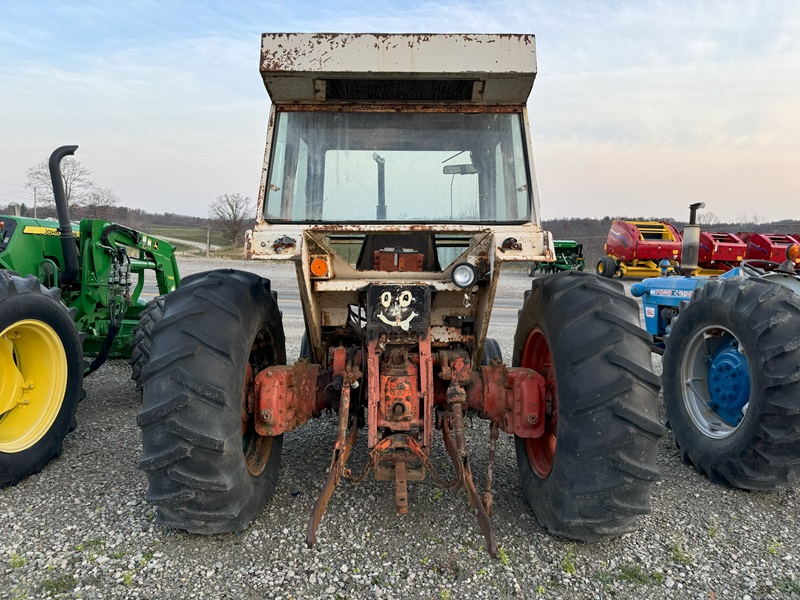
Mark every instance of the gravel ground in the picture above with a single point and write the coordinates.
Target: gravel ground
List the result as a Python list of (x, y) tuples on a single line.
[(81, 528)]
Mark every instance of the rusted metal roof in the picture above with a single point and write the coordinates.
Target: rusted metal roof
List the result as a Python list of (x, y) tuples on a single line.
[(336, 68)]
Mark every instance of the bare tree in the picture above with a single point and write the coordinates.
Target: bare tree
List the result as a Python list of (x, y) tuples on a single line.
[(752, 222), (98, 202), (233, 214), (76, 182), (708, 218)]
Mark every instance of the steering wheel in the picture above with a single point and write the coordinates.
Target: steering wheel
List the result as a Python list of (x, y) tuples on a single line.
[(751, 269)]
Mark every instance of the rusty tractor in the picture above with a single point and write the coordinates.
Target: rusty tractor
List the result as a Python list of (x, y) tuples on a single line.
[(398, 179)]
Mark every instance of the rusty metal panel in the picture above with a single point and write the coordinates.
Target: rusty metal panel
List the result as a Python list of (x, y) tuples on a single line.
[(297, 66)]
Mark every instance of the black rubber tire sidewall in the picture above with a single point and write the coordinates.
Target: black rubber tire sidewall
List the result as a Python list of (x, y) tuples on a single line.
[(763, 451), (608, 428), (491, 350), (25, 298), (192, 450), (142, 338)]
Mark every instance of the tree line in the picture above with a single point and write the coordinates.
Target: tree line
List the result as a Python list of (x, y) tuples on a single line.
[(230, 214)]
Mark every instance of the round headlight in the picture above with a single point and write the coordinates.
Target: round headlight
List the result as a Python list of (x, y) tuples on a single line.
[(464, 275)]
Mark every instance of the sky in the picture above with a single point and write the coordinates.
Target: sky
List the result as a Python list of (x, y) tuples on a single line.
[(639, 108)]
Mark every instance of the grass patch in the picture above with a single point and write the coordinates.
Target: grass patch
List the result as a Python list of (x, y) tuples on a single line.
[(679, 555), (713, 529), (634, 574), (59, 585), (17, 561), (568, 563), (790, 585)]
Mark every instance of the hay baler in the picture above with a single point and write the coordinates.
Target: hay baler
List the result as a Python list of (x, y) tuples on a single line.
[(636, 248)]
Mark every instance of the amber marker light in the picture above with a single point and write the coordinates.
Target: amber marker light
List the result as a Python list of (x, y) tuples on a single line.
[(319, 267), (793, 252)]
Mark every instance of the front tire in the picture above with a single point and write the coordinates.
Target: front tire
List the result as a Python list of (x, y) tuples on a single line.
[(732, 383), (209, 472), (588, 477), (41, 376)]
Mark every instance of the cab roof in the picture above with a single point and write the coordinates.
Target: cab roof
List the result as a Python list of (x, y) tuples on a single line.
[(323, 68)]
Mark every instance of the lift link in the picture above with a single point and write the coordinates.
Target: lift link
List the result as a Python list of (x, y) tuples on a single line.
[(457, 398), (341, 452)]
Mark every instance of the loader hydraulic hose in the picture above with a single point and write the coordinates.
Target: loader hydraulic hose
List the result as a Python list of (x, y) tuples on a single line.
[(68, 246)]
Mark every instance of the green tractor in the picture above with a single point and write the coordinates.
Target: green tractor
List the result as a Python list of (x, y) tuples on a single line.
[(569, 257), (68, 292)]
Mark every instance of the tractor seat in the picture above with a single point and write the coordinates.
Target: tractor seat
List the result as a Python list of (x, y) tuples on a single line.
[(422, 243)]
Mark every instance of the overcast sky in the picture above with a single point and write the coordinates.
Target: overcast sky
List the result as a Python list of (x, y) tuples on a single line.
[(639, 108)]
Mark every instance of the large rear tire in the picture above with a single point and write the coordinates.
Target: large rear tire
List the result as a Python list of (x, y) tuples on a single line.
[(41, 376), (209, 472), (143, 338), (588, 477), (732, 383)]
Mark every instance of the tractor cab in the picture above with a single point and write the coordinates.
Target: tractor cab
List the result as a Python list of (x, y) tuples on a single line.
[(387, 160)]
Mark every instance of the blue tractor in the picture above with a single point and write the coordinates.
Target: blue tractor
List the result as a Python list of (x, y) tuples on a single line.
[(731, 365)]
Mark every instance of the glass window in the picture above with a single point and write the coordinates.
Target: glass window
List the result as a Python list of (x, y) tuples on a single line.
[(393, 166)]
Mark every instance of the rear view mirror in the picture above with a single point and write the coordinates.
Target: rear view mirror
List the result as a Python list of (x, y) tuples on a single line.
[(460, 169)]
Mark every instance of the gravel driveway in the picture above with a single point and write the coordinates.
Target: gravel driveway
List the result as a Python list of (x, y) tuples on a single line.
[(81, 528)]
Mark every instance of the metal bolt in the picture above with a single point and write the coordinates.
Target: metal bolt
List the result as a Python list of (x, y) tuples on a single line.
[(269, 373), (533, 419), (266, 416)]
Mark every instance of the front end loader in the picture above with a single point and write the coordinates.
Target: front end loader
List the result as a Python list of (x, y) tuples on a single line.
[(398, 179), (70, 297)]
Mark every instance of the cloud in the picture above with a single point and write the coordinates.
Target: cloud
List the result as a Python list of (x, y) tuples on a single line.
[(168, 106)]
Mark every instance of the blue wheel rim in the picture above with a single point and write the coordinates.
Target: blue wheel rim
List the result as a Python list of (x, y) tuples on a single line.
[(715, 381)]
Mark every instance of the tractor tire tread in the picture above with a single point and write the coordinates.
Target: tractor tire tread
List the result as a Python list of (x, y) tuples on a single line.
[(608, 427), (143, 338), (191, 422), (764, 451)]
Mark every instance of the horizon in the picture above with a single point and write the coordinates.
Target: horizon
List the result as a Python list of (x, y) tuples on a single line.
[(638, 108)]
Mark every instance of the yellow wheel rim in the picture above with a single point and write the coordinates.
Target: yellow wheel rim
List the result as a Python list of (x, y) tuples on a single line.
[(33, 381)]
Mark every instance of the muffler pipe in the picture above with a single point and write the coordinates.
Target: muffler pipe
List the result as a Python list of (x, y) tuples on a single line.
[(690, 247), (68, 247)]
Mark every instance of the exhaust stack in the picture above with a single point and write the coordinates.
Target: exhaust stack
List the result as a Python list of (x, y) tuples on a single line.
[(690, 249), (68, 247)]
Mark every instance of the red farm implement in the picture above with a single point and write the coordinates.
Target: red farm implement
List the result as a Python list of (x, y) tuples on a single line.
[(635, 248), (719, 252), (769, 247)]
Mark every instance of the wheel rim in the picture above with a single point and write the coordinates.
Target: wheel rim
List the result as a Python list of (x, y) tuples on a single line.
[(715, 382), (541, 451), (601, 268), (33, 381), (256, 448)]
